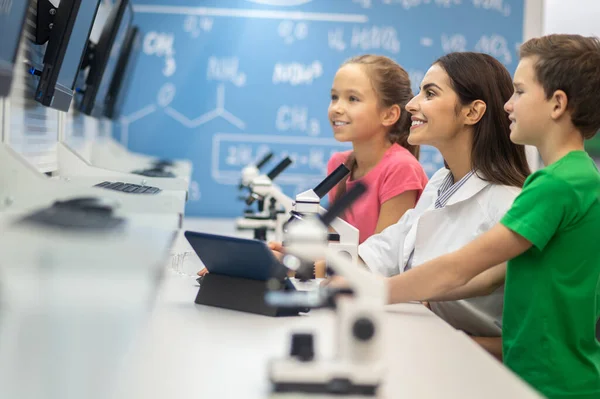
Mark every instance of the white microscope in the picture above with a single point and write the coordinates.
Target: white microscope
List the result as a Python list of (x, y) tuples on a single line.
[(252, 171), (269, 197), (345, 239), (358, 366)]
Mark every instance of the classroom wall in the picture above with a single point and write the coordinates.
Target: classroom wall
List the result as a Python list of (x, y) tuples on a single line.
[(220, 82), (574, 16)]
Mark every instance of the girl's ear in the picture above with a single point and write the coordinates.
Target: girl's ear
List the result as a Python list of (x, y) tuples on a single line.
[(391, 115)]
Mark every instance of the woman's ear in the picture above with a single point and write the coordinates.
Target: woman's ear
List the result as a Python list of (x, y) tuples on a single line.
[(391, 115), (475, 112)]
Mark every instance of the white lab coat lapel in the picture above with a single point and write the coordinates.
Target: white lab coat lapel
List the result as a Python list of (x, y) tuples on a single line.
[(431, 224), (471, 187)]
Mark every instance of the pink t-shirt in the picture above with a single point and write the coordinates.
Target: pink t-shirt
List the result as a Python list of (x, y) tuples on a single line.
[(397, 172)]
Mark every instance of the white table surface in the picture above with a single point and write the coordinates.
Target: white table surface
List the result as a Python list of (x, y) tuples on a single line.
[(195, 351)]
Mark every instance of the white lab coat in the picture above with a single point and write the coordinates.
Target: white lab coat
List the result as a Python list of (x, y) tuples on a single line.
[(473, 209)]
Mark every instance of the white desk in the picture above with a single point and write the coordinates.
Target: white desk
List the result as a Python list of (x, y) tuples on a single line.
[(195, 351)]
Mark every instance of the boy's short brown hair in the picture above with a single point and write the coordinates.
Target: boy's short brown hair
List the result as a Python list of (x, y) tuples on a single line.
[(570, 63)]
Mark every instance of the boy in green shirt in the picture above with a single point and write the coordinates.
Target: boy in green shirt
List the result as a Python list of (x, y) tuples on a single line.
[(551, 235)]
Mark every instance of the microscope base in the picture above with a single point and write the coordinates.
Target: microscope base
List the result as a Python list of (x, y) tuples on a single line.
[(251, 224), (325, 377)]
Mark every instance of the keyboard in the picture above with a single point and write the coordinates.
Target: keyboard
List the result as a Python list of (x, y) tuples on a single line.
[(129, 188), (154, 173), (161, 163), (75, 219)]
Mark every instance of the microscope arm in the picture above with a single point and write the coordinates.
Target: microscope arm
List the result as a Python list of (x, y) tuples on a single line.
[(365, 284), (286, 202), (348, 233)]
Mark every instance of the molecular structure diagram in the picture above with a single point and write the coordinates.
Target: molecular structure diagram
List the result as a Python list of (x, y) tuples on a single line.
[(165, 97)]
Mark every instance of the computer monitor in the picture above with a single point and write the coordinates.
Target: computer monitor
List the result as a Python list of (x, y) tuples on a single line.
[(123, 74), (12, 18), (105, 59), (64, 53)]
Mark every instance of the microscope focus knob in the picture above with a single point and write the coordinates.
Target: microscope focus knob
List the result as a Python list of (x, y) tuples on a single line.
[(302, 347), (363, 329)]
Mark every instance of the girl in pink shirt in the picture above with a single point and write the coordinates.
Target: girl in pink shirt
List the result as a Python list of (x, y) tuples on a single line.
[(368, 99)]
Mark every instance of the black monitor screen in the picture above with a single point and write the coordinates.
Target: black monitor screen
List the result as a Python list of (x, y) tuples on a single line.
[(12, 16), (123, 74), (105, 58), (64, 53)]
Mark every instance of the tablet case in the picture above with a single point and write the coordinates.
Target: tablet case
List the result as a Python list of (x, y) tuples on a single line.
[(238, 273)]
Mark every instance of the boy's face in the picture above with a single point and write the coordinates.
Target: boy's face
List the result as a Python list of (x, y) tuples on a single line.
[(528, 109)]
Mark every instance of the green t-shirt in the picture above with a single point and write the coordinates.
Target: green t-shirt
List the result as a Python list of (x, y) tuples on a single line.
[(552, 291)]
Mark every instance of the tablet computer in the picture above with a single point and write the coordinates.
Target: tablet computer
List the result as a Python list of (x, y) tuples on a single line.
[(236, 257)]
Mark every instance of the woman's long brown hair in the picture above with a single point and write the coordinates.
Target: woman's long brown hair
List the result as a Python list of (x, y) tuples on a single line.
[(477, 76)]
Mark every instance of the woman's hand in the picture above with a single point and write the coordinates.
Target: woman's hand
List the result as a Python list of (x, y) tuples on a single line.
[(203, 272)]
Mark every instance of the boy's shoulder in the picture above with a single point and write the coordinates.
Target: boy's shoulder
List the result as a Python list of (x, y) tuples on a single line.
[(575, 171)]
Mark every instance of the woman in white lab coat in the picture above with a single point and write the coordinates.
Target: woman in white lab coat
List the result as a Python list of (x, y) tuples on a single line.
[(459, 110)]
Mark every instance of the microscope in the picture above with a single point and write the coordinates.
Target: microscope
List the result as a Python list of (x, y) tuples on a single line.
[(270, 201), (252, 171), (345, 239), (357, 367)]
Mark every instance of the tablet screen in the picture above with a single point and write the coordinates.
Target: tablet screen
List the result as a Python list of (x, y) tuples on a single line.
[(236, 257)]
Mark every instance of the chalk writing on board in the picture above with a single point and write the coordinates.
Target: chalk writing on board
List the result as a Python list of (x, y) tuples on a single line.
[(161, 45), (335, 38), (291, 31), (225, 69), (493, 5), (315, 159), (296, 118), (451, 43), (195, 25), (239, 155), (230, 152), (310, 40), (194, 192), (296, 73), (496, 46), (364, 3), (218, 112), (166, 94), (410, 4), (288, 3), (416, 77), (375, 38), (426, 41)]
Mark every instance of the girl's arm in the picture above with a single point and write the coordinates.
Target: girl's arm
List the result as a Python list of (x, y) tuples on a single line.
[(439, 277), (392, 210)]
